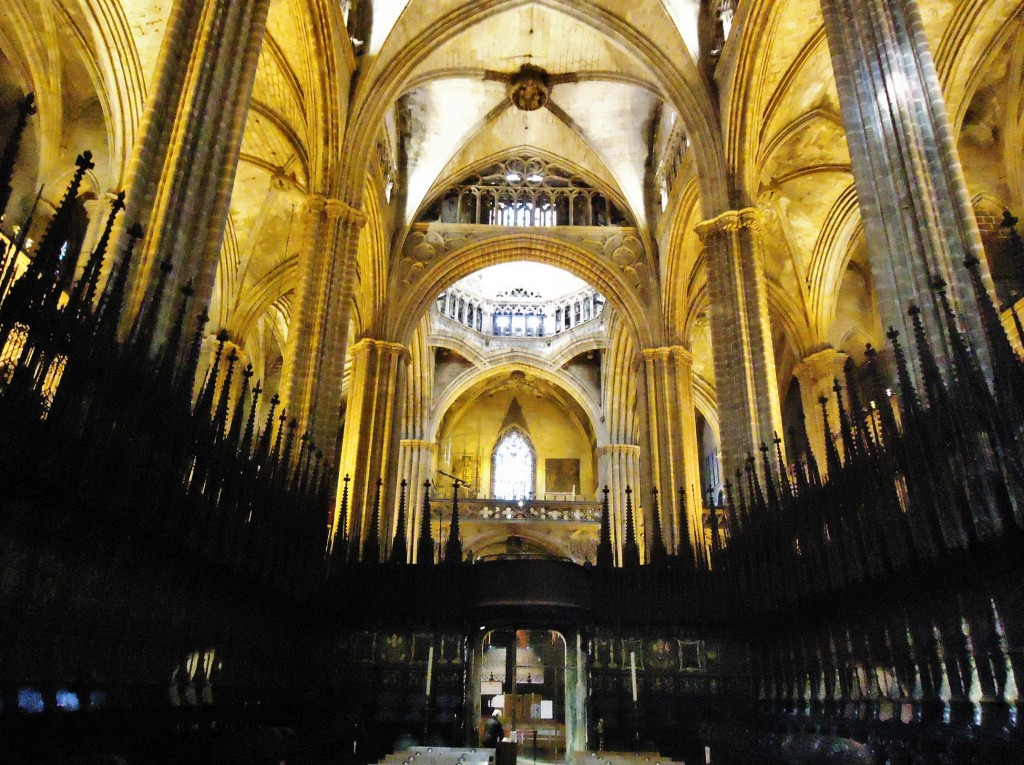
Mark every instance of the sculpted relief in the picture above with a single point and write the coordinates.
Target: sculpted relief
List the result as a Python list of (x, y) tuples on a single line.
[(619, 247)]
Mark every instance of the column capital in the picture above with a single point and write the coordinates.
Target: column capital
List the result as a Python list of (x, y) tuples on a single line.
[(338, 209), (824, 364), (368, 344), (618, 449), (334, 209), (666, 352), (313, 204), (731, 220), (100, 204), (418, 443)]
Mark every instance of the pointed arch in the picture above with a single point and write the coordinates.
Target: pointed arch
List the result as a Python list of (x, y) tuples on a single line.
[(631, 299), (682, 83), (513, 464)]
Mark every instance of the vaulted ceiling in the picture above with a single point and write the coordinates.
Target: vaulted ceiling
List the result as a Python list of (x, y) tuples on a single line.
[(599, 115), (429, 80)]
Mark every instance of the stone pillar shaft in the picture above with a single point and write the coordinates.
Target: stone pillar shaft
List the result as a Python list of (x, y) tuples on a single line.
[(672, 453), (817, 374), (337, 315), (914, 202), (372, 427), (312, 377), (416, 465), (619, 467), (184, 170), (745, 380)]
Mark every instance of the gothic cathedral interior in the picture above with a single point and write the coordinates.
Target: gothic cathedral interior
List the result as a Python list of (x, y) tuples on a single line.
[(451, 381)]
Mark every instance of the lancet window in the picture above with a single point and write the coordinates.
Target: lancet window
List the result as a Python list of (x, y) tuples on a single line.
[(525, 191), (513, 466)]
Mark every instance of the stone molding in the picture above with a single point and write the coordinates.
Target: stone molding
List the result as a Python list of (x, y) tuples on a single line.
[(417, 443), (618, 449), (334, 209), (664, 353), (339, 210), (619, 246), (368, 344), (731, 220), (819, 365)]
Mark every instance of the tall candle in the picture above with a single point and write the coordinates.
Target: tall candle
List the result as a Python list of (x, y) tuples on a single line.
[(632, 672), (430, 668)]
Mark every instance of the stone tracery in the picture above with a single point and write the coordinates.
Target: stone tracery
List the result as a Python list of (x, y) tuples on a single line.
[(343, 293)]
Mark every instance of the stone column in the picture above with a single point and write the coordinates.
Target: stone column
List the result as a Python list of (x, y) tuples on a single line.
[(183, 169), (618, 466), (913, 199), (672, 453), (745, 381), (817, 374), (416, 465), (328, 224), (372, 429), (331, 350)]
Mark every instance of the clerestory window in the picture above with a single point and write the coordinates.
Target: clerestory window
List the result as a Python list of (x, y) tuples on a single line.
[(524, 191)]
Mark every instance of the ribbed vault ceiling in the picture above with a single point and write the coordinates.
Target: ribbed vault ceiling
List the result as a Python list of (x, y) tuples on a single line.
[(599, 115)]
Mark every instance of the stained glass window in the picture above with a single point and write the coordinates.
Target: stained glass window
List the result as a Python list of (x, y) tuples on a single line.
[(513, 467)]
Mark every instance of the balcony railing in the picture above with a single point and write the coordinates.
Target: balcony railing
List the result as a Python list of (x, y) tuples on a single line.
[(559, 511)]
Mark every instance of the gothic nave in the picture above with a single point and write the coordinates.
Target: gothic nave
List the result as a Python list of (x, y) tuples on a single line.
[(651, 373)]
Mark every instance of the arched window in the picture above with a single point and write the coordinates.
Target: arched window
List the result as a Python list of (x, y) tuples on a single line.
[(513, 466)]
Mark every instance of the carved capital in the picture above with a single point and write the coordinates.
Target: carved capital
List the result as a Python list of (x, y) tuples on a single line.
[(418, 444), (824, 365), (368, 345), (339, 210), (675, 352), (729, 221), (618, 449), (313, 205)]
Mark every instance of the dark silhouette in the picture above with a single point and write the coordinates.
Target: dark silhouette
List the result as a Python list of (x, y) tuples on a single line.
[(494, 731)]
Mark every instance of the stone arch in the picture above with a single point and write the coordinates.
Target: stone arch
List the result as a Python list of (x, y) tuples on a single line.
[(258, 298), (697, 307), (472, 354), (454, 175), (754, 25), (999, 251), (704, 402), (576, 347), (102, 28), (687, 90), (533, 536), (589, 408), (328, 98), (788, 316), (499, 442), (978, 27), (681, 260), (830, 258), (622, 285), (373, 257)]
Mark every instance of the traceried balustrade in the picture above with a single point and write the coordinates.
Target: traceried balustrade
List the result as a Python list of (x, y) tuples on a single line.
[(552, 511), (519, 312), (525, 191)]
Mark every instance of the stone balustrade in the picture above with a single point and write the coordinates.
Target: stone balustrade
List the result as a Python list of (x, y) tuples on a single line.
[(560, 511)]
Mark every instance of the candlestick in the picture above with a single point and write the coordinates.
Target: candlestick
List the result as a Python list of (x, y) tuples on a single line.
[(632, 672), (430, 668)]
